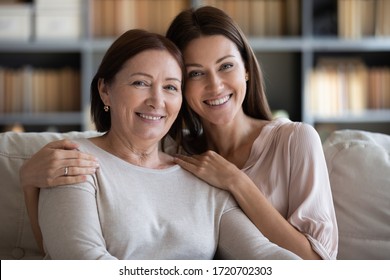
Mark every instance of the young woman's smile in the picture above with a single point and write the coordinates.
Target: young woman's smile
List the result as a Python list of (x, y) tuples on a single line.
[(218, 101)]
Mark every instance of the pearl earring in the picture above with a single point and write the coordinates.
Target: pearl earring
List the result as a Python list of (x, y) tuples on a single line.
[(246, 77), (106, 108)]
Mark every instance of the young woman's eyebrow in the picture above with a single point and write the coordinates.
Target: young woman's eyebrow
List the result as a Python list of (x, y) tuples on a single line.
[(224, 57), (218, 61)]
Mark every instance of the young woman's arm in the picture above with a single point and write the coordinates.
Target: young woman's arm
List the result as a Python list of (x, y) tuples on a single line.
[(310, 228), (240, 239), (46, 168), (57, 163), (214, 169)]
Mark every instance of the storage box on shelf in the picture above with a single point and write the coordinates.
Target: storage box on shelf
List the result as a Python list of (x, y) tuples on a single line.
[(15, 22), (58, 20)]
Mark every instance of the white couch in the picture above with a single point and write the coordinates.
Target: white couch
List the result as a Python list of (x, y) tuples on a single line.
[(359, 168)]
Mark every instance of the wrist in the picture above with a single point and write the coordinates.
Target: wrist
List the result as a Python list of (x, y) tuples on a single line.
[(238, 183)]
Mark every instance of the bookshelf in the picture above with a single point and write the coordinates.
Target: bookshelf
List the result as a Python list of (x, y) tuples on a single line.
[(288, 54)]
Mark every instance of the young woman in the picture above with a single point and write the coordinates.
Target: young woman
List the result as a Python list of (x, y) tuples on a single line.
[(275, 169)]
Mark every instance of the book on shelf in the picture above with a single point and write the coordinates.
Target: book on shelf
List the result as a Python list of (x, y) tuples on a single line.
[(363, 18), (113, 17), (123, 21), (263, 17), (339, 86), (382, 23), (30, 90)]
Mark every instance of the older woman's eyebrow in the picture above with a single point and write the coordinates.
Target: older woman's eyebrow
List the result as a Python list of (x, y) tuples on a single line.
[(173, 79), (140, 74), (151, 77)]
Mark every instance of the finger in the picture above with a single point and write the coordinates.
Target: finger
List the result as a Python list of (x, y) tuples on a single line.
[(74, 155), (189, 166), (188, 159), (76, 162), (75, 171), (63, 144), (68, 180), (67, 149)]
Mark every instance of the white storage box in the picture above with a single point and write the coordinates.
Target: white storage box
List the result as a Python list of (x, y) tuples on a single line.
[(15, 22), (58, 4), (58, 24)]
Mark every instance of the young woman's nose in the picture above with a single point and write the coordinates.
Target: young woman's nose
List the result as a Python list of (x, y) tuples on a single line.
[(214, 82)]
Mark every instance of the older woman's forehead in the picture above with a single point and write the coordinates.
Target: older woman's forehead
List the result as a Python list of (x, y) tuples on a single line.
[(152, 61)]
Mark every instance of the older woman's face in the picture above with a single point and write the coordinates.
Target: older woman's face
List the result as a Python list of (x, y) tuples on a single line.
[(145, 96)]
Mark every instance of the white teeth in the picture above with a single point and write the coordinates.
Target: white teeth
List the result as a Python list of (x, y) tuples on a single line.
[(153, 118), (219, 101)]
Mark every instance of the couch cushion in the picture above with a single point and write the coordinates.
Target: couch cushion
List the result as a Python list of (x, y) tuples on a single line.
[(16, 237), (359, 169)]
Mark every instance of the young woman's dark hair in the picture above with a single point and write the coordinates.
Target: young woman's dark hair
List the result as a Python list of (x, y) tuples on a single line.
[(128, 45), (205, 21)]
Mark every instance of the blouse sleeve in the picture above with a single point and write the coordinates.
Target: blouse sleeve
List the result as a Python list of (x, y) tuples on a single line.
[(69, 221), (239, 239), (310, 199)]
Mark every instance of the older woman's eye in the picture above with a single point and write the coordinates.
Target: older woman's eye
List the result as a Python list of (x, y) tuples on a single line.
[(171, 88), (139, 84)]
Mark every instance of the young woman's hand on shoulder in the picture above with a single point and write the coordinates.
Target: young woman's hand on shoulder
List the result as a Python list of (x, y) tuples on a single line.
[(57, 163), (212, 168)]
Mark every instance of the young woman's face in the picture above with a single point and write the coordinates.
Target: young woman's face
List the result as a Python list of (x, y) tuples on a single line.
[(145, 96), (216, 85)]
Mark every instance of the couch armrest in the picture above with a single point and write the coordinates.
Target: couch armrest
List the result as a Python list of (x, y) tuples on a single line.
[(359, 170), (16, 237)]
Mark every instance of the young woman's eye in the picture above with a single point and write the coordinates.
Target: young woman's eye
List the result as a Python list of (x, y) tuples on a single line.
[(194, 74), (226, 66)]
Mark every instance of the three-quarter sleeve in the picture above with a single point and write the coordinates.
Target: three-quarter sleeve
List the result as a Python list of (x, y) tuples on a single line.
[(69, 220), (311, 208), (240, 239)]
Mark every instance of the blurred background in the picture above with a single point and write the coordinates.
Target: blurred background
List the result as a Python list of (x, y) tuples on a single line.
[(325, 62)]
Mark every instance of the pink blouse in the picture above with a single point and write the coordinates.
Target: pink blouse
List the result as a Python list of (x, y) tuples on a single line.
[(287, 164)]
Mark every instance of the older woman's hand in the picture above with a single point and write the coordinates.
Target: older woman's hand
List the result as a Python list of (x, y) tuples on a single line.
[(57, 163)]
